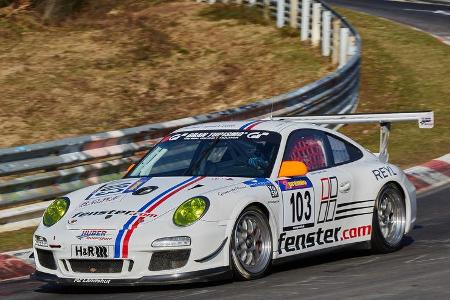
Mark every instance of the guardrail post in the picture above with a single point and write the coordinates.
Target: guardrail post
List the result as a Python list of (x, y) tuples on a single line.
[(344, 46), (315, 35), (336, 32), (293, 7), (326, 33), (266, 9), (306, 8), (351, 45), (280, 13)]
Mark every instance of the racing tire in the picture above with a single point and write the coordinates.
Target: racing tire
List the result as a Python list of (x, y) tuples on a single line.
[(251, 245), (389, 220)]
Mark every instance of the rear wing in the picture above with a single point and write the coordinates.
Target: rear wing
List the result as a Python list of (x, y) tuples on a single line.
[(424, 120)]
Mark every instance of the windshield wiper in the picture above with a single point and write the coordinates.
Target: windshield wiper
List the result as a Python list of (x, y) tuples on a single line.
[(205, 152)]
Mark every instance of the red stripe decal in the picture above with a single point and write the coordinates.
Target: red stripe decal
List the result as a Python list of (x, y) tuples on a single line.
[(150, 209), (253, 125)]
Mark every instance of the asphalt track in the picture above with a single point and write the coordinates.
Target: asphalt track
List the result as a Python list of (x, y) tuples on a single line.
[(421, 270), (430, 17)]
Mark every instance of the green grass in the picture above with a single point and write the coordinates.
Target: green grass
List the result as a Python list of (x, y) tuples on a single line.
[(16, 240), (403, 70)]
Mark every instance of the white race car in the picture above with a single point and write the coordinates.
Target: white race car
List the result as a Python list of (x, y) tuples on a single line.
[(230, 198)]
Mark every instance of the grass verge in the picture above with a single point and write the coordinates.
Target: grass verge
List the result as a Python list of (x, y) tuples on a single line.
[(402, 70), (136, 62), (17, 239)]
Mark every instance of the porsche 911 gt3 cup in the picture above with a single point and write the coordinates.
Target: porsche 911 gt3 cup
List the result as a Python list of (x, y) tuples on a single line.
[(220, 199)]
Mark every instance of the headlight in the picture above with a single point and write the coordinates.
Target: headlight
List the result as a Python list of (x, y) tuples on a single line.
[(174, 241), (55, 211), (190, 211)]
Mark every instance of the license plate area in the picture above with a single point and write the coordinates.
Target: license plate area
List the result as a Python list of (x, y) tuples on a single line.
[(91, 251)]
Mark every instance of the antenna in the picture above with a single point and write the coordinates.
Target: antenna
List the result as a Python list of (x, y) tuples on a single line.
[(271, 110)]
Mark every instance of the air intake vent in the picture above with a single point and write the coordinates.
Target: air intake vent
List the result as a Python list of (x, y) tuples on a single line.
[(46, 259), (167, 260), (96, 266)]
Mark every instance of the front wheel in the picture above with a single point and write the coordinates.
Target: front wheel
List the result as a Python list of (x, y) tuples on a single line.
[(251, 244), (389, 220)]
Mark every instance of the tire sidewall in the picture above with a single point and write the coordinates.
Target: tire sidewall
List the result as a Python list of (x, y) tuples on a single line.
[(239, 271), (378, 241)]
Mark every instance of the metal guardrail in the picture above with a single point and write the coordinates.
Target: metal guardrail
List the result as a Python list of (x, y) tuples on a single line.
[(46, 170)]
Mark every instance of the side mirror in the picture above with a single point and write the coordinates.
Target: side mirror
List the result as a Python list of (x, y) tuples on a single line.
[(129, 168), (292, 168)]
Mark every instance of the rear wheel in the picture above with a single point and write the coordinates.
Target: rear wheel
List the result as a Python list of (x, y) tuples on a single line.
[(389, 220), (251, 244)]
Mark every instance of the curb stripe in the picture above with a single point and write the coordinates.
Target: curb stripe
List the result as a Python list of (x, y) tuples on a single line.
[(438, 166)]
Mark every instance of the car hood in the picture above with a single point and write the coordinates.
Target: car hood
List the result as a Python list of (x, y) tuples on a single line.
[(120, 203)]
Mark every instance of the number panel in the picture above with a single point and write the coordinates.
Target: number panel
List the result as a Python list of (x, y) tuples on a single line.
[(298, 203)]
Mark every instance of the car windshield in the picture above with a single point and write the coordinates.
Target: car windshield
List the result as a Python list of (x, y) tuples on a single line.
[(211, 153)]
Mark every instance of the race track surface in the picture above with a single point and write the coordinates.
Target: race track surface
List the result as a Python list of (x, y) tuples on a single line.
[(421, 270), (430, 17)]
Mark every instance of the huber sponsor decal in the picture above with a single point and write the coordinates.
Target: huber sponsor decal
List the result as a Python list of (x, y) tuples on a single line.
[(95, 234), (320, 237)]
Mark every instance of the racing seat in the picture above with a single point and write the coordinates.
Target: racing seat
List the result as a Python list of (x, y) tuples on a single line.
[(309, 151)]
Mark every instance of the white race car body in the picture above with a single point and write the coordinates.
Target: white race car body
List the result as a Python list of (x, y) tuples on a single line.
[(107, 233)]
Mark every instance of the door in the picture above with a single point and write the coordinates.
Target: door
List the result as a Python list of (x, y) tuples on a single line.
[(311, 203)]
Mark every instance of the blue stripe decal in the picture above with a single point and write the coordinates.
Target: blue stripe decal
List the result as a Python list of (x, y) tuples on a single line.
[(247, 124), (131, 220)]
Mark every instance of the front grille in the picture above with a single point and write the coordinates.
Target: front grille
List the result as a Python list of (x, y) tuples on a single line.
[(167, 260), (46, 259), (96, 266)]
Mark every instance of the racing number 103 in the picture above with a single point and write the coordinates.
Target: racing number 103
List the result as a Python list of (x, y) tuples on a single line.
[(301, 206)]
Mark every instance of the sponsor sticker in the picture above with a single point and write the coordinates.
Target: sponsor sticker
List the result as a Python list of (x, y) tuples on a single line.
[(223, 135), (328, 199), (92, 280), (101, 200), (257, 182), (320, 237), (231, 190), (383, 172), (81, 251), (111, 213), (294, 183), (95, 234), (273, 190), (116, 188)]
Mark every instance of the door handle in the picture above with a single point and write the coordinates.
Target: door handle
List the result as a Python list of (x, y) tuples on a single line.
[(344, 187)]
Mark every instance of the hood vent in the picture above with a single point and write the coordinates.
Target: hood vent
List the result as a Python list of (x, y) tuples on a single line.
[(145, 190)]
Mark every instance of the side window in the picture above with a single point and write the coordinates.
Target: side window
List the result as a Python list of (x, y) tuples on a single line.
[(309, 147), (342, 151)]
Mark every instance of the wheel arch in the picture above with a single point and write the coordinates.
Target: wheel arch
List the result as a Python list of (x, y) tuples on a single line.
[(406, 201)]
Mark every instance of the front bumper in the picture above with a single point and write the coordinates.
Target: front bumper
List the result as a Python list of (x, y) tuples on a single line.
[(216, 274)]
